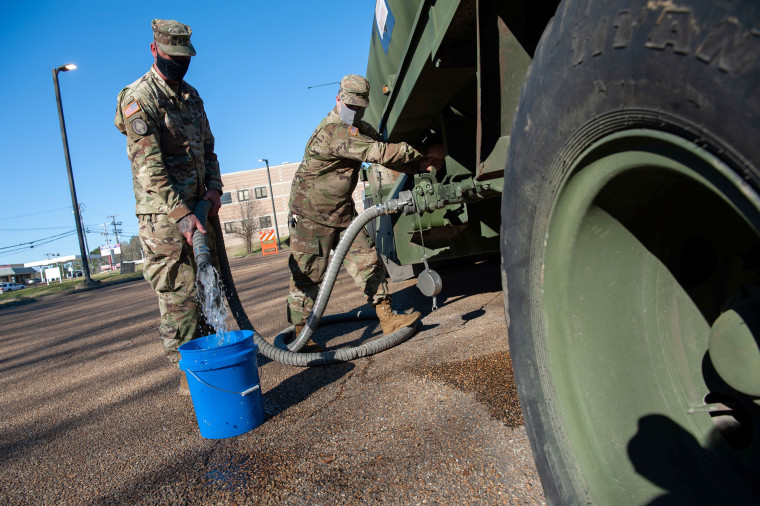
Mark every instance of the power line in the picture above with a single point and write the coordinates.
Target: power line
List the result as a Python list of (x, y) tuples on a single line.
[(32, 244), (15, 248), (36, 240), (32, 214), (30, 228), (318, 85)]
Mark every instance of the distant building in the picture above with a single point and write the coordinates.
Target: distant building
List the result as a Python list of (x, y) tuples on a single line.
[(17, 273), (61, 262), (253, 185)]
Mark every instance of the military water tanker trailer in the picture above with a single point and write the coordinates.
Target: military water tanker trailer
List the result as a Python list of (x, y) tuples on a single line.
[(611, 151)]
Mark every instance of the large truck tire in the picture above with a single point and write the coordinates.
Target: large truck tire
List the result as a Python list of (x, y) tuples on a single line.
[(631, 252)]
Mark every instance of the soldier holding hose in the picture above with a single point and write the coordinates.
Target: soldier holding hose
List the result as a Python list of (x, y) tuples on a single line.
[(321, 206), (170, 145)]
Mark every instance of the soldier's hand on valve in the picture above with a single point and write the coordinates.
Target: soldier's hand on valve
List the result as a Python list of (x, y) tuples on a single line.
[(435, 151), (427, 164), (434, 158)]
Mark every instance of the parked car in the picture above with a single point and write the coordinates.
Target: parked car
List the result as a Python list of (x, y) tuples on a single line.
[(9, 287)]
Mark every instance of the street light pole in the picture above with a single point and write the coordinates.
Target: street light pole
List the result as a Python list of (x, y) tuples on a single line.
[(86, 244), (271, 195), (75, 204)]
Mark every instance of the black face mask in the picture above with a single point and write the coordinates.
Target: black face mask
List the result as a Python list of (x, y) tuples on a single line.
[(173, 70)]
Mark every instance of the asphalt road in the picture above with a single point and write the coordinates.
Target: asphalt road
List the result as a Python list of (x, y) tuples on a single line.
[(89, 411)]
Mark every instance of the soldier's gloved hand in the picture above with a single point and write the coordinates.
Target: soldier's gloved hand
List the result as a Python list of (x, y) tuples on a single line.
[(214, 196), (188, 225)]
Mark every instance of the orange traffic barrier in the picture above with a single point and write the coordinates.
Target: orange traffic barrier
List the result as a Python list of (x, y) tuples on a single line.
[(268, 242)]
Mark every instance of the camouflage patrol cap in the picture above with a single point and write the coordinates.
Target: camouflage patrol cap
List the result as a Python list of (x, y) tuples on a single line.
[(354, 90), (172, 37)]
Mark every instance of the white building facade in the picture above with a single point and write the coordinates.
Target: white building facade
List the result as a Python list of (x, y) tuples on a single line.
[(252, 186)]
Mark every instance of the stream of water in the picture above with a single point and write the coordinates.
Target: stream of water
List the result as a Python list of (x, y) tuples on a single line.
[(210, 295)]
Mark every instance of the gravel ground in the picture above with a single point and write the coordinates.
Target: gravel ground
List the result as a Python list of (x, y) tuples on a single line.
[(90, 412)]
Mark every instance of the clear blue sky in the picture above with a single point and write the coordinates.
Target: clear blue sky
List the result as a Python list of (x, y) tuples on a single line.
[(255, 62)]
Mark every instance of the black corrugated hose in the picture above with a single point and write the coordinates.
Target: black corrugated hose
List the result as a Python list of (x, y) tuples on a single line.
[(283, 355)]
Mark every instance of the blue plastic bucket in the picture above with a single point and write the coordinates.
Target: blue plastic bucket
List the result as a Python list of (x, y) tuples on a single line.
[(224, 383)]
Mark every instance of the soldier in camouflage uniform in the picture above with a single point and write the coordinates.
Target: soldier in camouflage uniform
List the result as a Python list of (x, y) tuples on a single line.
[(321, 205), (171, 148)]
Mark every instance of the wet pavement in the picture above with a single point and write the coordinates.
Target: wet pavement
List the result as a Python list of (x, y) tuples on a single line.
[(90, 412)]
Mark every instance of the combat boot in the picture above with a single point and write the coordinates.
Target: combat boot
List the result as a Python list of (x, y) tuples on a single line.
[(310, 346), (389, 321)]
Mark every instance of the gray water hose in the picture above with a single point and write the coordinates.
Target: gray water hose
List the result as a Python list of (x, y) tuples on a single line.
[(333, 268), (285, 356)]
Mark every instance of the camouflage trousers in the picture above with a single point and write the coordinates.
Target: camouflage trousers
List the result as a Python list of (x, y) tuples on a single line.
[(170, 269), (311, 243)]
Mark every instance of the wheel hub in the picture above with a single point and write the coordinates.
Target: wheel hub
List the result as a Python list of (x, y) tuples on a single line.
[(734, 343)]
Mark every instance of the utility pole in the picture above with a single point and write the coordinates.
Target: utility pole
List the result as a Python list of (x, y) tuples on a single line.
[(115, 223), (105, 232), (116, 234)]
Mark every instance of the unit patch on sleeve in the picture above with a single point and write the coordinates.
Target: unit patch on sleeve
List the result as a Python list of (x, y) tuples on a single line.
[(132, 108), (139, 126), (353, 130)]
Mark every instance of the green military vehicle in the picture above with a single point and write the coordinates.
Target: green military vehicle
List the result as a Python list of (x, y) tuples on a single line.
[(610, 150)]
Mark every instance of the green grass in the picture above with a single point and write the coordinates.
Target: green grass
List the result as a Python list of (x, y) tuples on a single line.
[(67, 285)]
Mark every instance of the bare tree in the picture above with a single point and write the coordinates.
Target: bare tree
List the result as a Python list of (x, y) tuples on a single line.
[(248, 212), (130, 250)]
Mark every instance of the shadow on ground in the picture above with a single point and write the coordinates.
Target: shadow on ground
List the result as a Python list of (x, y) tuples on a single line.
[(299, 387)]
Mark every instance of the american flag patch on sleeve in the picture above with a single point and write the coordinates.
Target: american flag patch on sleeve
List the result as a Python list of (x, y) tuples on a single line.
[(132, 108)]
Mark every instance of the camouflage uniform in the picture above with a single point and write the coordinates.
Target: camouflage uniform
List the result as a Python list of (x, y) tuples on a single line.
[(171, 148), (321, 204)]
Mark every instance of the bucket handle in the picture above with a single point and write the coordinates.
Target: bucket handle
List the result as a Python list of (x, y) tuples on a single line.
[(243, 393)]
